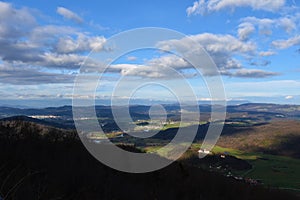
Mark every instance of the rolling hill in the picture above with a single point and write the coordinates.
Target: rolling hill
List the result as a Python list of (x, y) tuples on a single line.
[(276, 137)]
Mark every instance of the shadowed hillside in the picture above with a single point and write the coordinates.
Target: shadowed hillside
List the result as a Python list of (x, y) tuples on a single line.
[(36, 166), (22, 127)]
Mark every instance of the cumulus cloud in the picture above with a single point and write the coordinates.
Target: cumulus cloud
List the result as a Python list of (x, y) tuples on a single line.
[(264, 24), (14, 23), (145, 71), (161, 67), (49, 33), (206, 6), (165, 71), (221, 48), (35, 51), (197, 8), (53, 54), (267, 25), (61, 61), (32, 50), (216, 43), (245, 30), (284, 44), (68, 14), (287, 24), (83, 43), (168, 62)]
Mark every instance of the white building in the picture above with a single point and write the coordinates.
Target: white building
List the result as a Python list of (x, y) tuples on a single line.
[(204, 151)]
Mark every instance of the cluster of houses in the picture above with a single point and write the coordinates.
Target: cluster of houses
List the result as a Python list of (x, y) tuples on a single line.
[(204, 152)]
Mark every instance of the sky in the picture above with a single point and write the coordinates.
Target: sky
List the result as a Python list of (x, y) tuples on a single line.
[(254, 44)]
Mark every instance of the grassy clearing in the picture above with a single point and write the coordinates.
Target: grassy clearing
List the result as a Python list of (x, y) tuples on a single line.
[(176, 125), (275, 171), (165, 151)]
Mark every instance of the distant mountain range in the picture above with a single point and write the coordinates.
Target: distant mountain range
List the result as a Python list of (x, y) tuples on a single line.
[(35, 103), (61, 117), (66, 111)]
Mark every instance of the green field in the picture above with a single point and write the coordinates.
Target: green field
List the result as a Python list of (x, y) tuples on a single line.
[(275, 171)]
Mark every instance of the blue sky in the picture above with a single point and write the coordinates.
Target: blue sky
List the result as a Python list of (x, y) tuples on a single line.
[(255, 45)]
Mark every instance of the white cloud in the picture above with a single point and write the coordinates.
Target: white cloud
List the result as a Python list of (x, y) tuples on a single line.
[(25, 43), (68, 14), (143, 71), (83, 43), (203, 6), (222, 48), (161, 67), (67, 61), (62, 48), (287, 24), (217, 43), (264, 24), (267, 25), (15, 23), (168, 62), (245, 30), (284, 44), (289, 97), (251, 73), (46, 33), (46, 48), (197, 8), (266, 53)]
